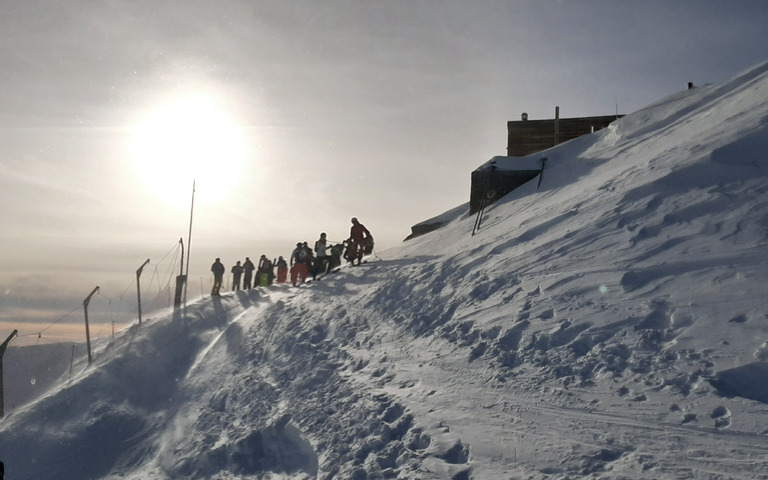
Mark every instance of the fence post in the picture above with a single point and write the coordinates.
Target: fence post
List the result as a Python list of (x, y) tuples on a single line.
[(138, 285), (2, 352), (181, 280), (87, 328)]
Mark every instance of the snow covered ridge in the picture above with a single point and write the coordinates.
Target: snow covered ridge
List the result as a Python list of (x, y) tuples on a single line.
[(611, 324)]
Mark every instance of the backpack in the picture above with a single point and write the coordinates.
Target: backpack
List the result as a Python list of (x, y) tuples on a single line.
[(368, 245)]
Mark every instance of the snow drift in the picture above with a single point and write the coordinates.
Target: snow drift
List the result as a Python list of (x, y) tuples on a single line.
[(610, 324)]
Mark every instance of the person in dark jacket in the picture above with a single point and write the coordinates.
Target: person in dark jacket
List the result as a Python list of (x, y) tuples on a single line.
[(248, 269), (359, 237), (264, 273), (237, 272), (334, 260), (321, 257), (301, 258), (218, 275)]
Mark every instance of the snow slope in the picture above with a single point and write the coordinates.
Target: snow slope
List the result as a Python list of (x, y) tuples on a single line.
[(611, 324)]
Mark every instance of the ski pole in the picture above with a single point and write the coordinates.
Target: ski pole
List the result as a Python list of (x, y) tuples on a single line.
[(484, 200), (541, 172)]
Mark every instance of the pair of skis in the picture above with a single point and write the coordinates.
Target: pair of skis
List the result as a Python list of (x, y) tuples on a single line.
[(484, 200)]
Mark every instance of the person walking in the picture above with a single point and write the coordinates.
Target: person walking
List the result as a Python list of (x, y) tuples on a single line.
[(248, 269), (334, 261), (218, 276), (237, 273), (321, 257), (359, 236)]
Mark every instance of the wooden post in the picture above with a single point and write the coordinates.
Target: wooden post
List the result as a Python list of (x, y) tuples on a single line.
[(557, 125), (2, 352), (138, 285), (87, 328), (181, 280)]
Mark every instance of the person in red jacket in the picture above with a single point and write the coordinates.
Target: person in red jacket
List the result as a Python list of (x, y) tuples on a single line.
[(282, 270), (359, 237)]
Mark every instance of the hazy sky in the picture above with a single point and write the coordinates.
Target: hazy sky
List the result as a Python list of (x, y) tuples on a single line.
[(293, 116)]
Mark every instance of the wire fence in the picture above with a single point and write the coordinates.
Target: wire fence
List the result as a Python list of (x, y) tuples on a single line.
[(119, 308)]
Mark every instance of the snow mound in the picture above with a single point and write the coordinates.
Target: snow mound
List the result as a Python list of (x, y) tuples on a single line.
[(745, 381)]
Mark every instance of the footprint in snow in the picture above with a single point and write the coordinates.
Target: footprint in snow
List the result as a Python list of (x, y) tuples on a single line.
[(722, 417), (741, 318), (624, 391)]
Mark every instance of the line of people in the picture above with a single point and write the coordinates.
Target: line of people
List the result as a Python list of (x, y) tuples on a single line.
[(304, 261)]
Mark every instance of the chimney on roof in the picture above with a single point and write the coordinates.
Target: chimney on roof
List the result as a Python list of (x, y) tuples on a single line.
[(524, 116)]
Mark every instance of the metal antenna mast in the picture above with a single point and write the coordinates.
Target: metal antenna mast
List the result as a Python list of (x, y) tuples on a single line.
[(189, 242)]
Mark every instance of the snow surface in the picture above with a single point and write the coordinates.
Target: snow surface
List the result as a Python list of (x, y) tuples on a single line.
[(611, 324)]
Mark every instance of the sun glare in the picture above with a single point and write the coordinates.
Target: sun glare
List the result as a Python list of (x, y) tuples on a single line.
[(185, 139)]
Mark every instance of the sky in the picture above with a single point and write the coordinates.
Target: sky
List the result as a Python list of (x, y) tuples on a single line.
[(608, 322), (292, 117)]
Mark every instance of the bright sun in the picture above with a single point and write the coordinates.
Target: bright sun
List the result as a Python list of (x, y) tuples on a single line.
[(184, 139)]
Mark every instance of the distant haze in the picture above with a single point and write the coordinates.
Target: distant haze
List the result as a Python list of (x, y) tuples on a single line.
[(302, 115)]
